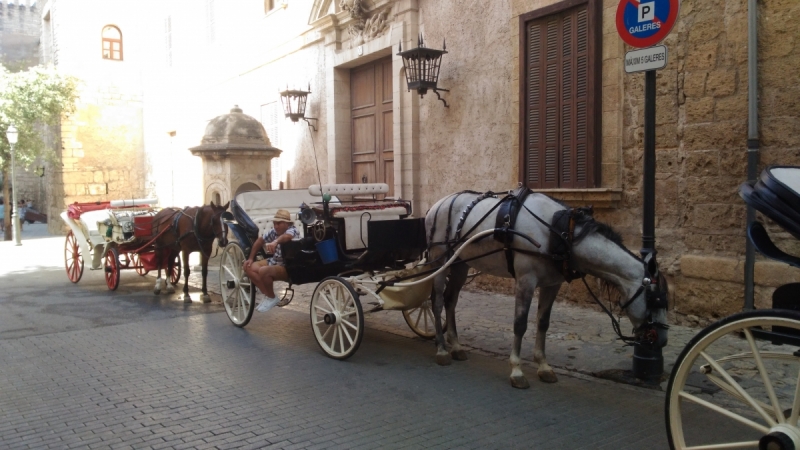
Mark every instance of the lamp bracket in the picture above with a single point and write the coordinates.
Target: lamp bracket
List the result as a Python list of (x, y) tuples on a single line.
[(309, 123), (436, 91)]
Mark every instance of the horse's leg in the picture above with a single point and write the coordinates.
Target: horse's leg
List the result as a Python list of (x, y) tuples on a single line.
[(204, 262), (185, 257), (458, 276), (169, 287), (524, 294), (159, 281), (547, 296), (442, 357)]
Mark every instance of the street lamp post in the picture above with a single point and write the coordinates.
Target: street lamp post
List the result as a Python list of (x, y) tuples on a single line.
[(11, 134)]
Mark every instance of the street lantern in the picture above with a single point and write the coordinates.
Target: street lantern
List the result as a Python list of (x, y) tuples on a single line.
[(294, 105), (422, 68), (12, 135)]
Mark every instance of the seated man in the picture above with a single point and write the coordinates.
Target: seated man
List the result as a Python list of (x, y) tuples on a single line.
[(263, 273)]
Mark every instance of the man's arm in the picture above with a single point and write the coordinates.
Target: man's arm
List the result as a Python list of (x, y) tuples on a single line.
[(285, 237), (254, 251)]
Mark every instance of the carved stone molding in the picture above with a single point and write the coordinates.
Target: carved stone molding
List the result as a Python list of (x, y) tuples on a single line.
[(364, 27)]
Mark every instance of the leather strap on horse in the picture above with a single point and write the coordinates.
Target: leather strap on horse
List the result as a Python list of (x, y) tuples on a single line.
[(505, 221), (562, 238)]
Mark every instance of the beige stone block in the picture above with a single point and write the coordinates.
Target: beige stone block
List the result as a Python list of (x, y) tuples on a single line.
[(666, 109), (78, 177), (612, 70), (613, 48), (779, 100), (611, 98), (666, 135), (611, 149), (708, 300), (715, 217), (702, 56), (721, 82), (707, 242), (78, 153), (702, 163), (694, 83), (97, 189), (775, 274), (712, 268), (611, 122), (98, 176), (721, 189), (699, 110), (610, 175), (667, 161), (733, 107), (733, 162), (780, 131), (717, 136)]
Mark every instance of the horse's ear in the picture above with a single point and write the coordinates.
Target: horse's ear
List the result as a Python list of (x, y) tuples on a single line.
[(212, 203), (225, 208)]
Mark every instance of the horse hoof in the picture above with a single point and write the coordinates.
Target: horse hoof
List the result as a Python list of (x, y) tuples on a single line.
[(459, 355), (444, 360), (548, 376), (520, 382), (205, 298), (169, 289), (187, 299), (156, 291)]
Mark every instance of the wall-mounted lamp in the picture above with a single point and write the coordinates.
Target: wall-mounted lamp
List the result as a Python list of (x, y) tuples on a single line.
[(39, 170), (294, 105), (422, 68)]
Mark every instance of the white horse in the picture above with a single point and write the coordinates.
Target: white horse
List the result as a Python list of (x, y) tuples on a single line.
[(597, 251)]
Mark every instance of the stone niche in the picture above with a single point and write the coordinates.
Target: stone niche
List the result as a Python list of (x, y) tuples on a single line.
[(237, 156)]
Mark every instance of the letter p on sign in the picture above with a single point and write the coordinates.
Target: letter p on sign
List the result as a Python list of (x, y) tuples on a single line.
[(647, 11)]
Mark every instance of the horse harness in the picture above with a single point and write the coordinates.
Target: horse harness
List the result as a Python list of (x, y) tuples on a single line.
[(562, 229), (178, 213)]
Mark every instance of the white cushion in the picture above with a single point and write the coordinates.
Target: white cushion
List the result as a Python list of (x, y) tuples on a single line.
[(349, 189)]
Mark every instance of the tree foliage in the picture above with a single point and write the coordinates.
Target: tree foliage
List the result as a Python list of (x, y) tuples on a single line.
[(32, 100)]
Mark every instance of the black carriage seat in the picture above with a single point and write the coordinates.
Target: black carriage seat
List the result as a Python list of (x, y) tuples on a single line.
[(776, 195)]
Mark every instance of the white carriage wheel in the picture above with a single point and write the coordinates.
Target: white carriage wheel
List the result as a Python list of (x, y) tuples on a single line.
[(421, 320), (756, 390), (238, 294), (337, 318), (73, 258)]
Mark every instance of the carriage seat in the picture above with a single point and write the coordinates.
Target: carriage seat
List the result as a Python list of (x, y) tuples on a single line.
[(776, 194), (255, 209), (357, 215)]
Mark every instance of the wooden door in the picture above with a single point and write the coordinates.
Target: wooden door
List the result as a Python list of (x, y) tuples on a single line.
[(371, 123)]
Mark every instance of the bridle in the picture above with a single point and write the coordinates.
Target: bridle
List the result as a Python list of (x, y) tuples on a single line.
[(196, 229)]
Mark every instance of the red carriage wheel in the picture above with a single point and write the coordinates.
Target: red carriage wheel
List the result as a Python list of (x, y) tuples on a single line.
[(136, 263), (73, 258), (175, 273), (112, 268)]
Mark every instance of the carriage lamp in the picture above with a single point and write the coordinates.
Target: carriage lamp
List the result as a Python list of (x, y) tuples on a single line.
[(294, 105), (422, 68), (12, 135)]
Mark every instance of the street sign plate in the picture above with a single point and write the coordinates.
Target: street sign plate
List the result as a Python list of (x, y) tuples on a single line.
[(653, 58), (644, 23)]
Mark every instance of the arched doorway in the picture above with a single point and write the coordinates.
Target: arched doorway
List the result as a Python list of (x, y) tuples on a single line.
[(246, 187)]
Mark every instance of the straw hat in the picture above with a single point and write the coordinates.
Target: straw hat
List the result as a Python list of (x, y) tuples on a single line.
[(282, 216)]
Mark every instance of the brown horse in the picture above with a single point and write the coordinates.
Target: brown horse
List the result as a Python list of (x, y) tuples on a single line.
[(191, 229)]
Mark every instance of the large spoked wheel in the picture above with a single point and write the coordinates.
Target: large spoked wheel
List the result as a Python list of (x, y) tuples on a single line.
[(73, 258), (337, 318), (238, 294), (112, 268), (421, 320), (731, 388), (136, 263), (175, 273)]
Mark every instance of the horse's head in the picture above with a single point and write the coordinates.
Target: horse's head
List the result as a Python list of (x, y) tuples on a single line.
[(647, 309), (218, 227)]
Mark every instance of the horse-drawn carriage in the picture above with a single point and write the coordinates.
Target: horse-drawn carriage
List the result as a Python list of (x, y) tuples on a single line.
[(348, 247), (116, 235), (745, 369)]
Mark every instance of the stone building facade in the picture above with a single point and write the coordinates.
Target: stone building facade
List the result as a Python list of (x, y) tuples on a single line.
[(101, 145), (199, 61)]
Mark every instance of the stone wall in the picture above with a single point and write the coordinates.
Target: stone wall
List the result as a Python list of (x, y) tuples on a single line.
[(19, 34)]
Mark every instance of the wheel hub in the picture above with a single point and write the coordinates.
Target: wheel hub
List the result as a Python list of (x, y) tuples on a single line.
[(329, 318), (231, 284), (780, 437)]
